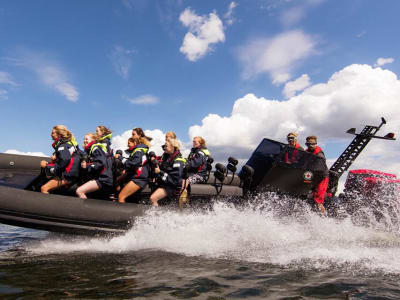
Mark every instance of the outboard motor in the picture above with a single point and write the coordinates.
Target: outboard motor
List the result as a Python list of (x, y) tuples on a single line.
[(231, 166), (220, 171), (246, 177)]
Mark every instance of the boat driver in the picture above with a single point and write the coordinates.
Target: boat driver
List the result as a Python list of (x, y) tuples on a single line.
[(320, 189), (291, 154)]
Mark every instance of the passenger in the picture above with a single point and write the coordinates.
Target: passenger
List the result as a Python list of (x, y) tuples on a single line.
[(98, 167), (118, 165), (104, 136), (169, 173), (64, 168), (139, 133), (119, 160), (320, 190), (170, 135), (196, 166), (291, 154), (136, 167)]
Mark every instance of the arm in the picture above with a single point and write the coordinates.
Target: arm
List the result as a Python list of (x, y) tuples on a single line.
[(197, 160), (174, 176), (97, 161), (63, 155), (134, 161)]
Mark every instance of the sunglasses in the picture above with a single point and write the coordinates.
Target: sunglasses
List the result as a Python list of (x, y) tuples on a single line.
[(311, 144), (290, 138)]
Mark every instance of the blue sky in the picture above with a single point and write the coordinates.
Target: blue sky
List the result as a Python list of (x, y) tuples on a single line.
[(183, 66)]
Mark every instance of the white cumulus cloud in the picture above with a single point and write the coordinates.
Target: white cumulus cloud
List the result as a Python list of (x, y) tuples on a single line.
[(355, 96), (383, 61), (13, 151), (145, 100), (204, 31), (276, 56), (292, 87)]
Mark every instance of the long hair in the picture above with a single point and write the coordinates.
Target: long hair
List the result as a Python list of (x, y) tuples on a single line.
[(92, 135), (63, 132), (140, 140), (202, 141), (104, 130), (141, 134), (170, 135), (174, 143)]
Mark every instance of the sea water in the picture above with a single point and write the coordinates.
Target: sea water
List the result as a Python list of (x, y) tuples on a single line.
[(271, 248)]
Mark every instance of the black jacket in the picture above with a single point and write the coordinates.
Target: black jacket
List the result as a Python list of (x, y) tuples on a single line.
[(136, 165), (66, 165), (172, 168), (99, 166), (106, 141), (197, 161)]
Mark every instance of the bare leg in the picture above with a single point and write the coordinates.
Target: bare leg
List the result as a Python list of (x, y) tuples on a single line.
[(185, 183), (88, 187), (129, 189), (158, 195), (52, 185)]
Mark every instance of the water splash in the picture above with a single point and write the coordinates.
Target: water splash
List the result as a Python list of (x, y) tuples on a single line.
[(258, 232)]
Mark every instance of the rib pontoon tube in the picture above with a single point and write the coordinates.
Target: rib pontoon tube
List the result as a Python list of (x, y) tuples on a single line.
[(66, 214), (69, 214), (57, 213)]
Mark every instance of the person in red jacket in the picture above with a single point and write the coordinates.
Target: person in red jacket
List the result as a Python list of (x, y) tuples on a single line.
[(291, 154), (320, 189)]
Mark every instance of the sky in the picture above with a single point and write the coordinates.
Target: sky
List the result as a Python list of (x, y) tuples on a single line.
[(233, 72)]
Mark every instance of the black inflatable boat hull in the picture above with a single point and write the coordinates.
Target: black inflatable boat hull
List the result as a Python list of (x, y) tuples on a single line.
[(69, 214), (66, 214)]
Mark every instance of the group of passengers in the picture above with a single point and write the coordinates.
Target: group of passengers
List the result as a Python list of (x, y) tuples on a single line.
[(97, 168)]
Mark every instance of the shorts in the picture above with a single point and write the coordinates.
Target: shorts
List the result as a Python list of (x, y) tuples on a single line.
[(172, 192), (104, 187), (140, 182), (71, 180), (195, 178)]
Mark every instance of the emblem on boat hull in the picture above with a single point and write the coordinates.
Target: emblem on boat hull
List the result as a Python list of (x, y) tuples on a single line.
[(308, 175)]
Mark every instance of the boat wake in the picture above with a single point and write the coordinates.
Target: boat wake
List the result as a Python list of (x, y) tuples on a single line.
[(261, 232)]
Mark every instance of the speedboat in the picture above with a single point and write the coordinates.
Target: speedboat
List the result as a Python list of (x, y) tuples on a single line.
[(22, 204)]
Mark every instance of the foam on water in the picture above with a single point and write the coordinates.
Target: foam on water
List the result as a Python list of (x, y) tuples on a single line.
[(252, 233)]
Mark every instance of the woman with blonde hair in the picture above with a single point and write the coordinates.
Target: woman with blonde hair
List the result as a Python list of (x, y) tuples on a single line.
[(104, 135), (98, 167), (197, 161), (136, 167), (168, 172), (196, 166), (64, 169), (170, 135)]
